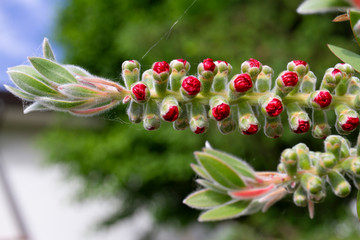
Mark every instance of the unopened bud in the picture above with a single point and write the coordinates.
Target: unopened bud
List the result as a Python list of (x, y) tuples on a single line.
[(147, 78), (220, 108), (190, 87), (263, 81), (271, 106), (298, 66), (252, 66), (221, 78), (239, 85), (333, 145), (248, 123), (302, 152), (198, 121), (169, 109), (346, 68), (140, 92), (338, 183), (135, 112), (300, 197), (130, 72), (227, 125), (311, 183), (318, 197), (299, 121), (273, 127), (161, 71), (207, 70), (179, 68), (289, 160), (320, 99), (308, 83), (331, 79), (182, 122), (347, 119), (151, 118)]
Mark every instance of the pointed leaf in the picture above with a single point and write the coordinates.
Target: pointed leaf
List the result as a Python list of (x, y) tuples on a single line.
[(252, 192), (206, 199), (31, 71), (80, 91), (319, 6), (59, 104), (19, 93), (240, 166), (47, 50), (346, 56), (199, 171), (209, 185), (219, 171), (31, 85), (52, 70), (78, 70), (98, 109), (35, 107), (227, 211)]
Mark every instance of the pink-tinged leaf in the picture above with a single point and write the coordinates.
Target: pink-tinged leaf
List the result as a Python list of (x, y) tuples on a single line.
[(95, 110), (251, 193), (80, 91), (97, 80), (126, 99), (311, 208)]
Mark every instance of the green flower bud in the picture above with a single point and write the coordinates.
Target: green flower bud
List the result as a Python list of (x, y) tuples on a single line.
[(331, 79), (302, 152), (320, 99), (252, 67), (198, 120), (239, 85), (333, 145), (299, 121), (281, 168), (308, 83), (354, 86), (347, 69), (273, 127), (221, 78), (271, 105), (169, 110), (219, 108), (311, 183), (182, 122), (318, 197), (300, 197), (321, 128), (263, 81), (130, 72), (135, 112), (355, 165), (347, 119), (338, 183), (161, 71), (286, 82), (227, 125), (206, 70), (179, 68), (298, 66), (147, 78), (325, 162), (248, 123), (140, 92), (289, 160), (151, 118)]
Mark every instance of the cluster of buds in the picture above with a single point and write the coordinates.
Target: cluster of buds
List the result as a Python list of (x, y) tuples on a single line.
[(165, 92), (231, 188)]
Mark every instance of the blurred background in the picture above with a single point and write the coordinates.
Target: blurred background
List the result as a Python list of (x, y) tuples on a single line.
[(102, 178)]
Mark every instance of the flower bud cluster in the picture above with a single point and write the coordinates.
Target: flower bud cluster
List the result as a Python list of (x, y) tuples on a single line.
[(169, 93), (301, 172)]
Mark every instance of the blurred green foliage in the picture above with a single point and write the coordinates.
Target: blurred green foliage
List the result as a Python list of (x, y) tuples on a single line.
[(151, 170)]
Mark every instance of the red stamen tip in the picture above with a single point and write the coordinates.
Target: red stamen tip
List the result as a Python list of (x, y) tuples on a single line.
[(289, 79), (160, 67), (303, 126), (172, 114), (209, 64), (253, 128), (323, 99), (274, 107), (351, 124), (243, 83), (221, 111), (191, 85)]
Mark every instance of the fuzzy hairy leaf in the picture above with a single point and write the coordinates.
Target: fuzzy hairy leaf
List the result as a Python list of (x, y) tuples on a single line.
[(220, 171), (205, 199), (31, 84), (35, 107), (346, 56), (78, 70), (319, 6), (80, 91), (29, 70), (59, 104), (52, 70), (199, 171), (47, 50), (21, 94), (226, 211), (240, 166), (209, 185)]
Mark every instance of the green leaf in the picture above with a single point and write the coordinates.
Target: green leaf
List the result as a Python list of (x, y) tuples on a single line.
[(31, 85), (20, 94), (219, 171), (238, 165), (205, 199), (29, 70), (52, 70), (209, 185), (346, 56), (227, 211), (35, 107), (47, 50), (199, 171), (354, 18), (78, 70), (319, 6), (80, 91), (59, 104), (358, 205)]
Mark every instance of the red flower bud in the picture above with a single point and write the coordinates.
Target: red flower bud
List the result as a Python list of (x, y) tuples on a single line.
[(303, 126), (350, 124), (160, 67), (323, 99), (243, 83), (253, 128), (254, 63), (300, 62), (221, 111), (172, 114), (335, 71), (289, 79), (274, 107), (191, 85), (199, 130), (209, 64), (139, 91), (182, 60), (219, 61)]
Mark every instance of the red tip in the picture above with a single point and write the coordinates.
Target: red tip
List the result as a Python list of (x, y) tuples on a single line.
[(254, 63), (199, 130), (243, 83), (351, 124), (335, 71), (323, 98), (139, 90), (160, 67), (289, 79), (209, 64), (221, 111), (303, 126), (300, 62), (220, 61), (274, 107), (252, 192), (253, 128), (182, 60), (191, 85), (172, 114)]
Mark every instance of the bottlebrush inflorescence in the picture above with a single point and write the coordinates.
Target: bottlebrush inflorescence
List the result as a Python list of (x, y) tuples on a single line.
[(165, 92), (231, 188)]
